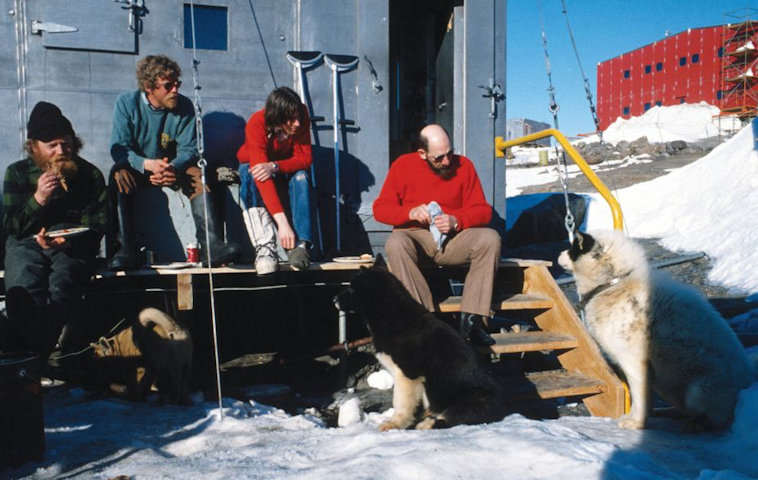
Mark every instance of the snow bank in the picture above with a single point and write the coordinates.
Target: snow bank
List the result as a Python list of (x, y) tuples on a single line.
[(706, 206), (688, 122)]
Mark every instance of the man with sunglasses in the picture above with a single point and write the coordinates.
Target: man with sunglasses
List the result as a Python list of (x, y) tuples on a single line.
[(434, 200), (154, 144)]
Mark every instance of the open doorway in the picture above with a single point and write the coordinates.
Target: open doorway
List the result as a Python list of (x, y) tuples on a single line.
[(417, 35)]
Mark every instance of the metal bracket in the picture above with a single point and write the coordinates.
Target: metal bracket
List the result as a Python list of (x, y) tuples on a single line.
[(136, 9), (495, 94), (39, 27)]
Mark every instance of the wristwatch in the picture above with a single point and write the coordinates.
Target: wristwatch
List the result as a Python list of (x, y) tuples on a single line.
[(275, 169)]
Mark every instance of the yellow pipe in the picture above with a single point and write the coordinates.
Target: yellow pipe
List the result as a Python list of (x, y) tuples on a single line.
[(501, 145)]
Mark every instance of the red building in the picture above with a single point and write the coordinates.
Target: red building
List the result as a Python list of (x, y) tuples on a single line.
[(689, 67)]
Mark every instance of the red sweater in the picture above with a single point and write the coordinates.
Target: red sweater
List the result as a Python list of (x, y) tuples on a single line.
[(411, 182), (291, 154)]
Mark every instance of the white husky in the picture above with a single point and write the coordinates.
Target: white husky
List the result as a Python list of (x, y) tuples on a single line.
[(662, 334)]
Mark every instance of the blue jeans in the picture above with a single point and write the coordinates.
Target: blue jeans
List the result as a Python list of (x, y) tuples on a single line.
[(294, 191)]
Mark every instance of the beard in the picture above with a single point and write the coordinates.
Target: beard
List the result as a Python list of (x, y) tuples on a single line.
[(443, 172), (171, 102), (65, 166)]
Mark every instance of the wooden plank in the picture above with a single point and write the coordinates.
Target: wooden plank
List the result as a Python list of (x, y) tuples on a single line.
[(184, 292), (531, 342), (513, 301), (285, 267), (553, 384)]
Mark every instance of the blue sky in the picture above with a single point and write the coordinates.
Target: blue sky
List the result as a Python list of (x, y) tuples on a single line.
[(602, 30)]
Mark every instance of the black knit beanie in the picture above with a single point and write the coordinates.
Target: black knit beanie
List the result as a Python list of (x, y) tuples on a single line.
[(47, 123)]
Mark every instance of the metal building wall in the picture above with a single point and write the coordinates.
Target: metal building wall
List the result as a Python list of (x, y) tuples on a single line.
[(85, 73), (85, 81), (671, 85)]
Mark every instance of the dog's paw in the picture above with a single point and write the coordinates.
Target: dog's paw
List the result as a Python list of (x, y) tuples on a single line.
[(390, 425), (631, 423), (426, 424)]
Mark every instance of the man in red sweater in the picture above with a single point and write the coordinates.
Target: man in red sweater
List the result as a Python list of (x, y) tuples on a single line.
[(434, 201), (275, 161)]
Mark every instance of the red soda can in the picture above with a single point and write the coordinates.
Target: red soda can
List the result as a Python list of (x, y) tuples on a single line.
[(193, 252)]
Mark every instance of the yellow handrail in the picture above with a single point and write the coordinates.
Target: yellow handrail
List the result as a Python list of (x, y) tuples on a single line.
[(501, 145)]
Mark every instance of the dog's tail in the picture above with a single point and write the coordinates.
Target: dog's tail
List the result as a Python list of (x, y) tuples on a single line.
[(152, 316)]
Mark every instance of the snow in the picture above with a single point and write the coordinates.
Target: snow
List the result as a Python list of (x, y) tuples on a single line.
[(101, 438), (350, 412), (706, 206), (381, 380), (688, 122)]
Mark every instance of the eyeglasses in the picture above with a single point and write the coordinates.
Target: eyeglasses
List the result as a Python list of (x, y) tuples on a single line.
[(439, 158), (170, 85)]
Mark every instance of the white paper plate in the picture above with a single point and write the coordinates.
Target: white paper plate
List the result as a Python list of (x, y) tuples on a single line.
[(174, 265), (355, 259), (67, 232)]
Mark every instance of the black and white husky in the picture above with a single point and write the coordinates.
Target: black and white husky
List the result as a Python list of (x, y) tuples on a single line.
[(662, 334)]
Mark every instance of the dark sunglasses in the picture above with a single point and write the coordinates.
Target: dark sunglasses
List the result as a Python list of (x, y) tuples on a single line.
[(170, 85), (439, 158)]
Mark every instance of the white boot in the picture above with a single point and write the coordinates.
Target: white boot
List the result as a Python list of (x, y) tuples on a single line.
[(260, 227)]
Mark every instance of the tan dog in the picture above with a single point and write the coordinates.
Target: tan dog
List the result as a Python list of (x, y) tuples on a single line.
[(663, 335), (156, 349)]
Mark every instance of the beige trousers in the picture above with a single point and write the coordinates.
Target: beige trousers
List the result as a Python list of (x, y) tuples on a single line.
[(407, 248)]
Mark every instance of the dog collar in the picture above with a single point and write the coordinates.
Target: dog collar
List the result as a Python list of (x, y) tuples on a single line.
[(596, 291)]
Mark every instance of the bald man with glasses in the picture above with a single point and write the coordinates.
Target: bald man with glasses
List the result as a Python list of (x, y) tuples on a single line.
[(154, 144), (434, 201)]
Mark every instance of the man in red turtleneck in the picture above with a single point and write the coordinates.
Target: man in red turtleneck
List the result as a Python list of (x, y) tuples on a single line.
[(435, 203)]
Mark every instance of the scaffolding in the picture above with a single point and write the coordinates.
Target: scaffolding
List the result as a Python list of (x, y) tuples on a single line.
[(739, 67)]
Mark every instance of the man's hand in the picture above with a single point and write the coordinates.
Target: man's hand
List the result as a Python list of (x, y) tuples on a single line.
[(163, 174), (262, 171), (420, 214), (446, 223), (124, 181), (46, 242), (46, 185), (287, 236)]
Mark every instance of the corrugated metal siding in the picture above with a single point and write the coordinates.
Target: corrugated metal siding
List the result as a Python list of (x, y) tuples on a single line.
[(672, 84)]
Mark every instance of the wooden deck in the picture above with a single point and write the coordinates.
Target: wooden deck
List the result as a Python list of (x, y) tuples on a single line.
[(319, 272), (283, 267)]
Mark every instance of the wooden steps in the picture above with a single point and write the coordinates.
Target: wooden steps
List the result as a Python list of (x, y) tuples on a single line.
[(531, 342), (528, 292), (503, 302), (554, 384)]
